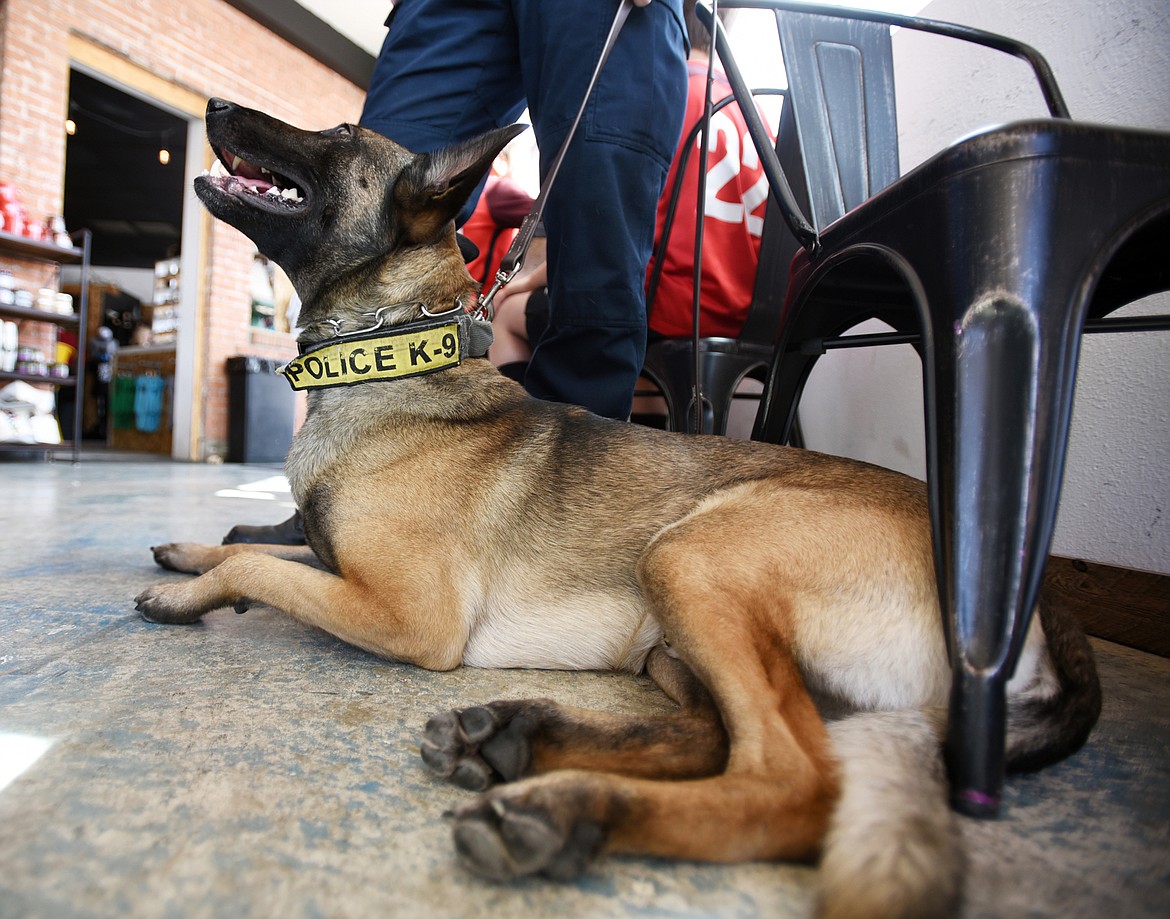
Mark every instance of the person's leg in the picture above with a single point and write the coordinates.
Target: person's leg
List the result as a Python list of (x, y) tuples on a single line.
[(600, 213), (448, 70), (510, 331)]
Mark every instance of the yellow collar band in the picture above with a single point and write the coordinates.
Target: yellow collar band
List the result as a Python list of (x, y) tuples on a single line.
[(406, 351)]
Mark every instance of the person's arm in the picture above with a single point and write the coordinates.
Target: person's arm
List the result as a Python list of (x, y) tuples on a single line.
[(530, 280)]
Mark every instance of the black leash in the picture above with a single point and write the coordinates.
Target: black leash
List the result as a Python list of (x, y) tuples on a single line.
[(513, 259)]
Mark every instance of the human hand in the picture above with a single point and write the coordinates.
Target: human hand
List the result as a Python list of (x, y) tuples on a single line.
[(529, 280), (641, 2)]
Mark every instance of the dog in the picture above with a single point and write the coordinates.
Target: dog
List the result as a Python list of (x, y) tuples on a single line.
[(753, 582)]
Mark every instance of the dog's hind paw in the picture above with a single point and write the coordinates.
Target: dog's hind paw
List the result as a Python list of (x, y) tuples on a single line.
[(477, 747), (502, 838), (160, 604)]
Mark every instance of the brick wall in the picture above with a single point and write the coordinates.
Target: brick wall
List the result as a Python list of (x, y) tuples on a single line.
[(202, 47)]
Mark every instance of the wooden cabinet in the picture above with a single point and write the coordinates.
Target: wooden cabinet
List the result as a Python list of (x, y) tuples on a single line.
[(19, 247), (141, 414)]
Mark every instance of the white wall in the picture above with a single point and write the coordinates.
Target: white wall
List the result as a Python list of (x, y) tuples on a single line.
[(138, 282), (1110, 58)]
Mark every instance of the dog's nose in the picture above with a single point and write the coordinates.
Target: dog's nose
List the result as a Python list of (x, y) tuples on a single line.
[(218, 105)]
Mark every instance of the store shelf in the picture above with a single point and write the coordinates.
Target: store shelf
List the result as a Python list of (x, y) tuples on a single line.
[(67, 320), (21, 247), (11, 244), (8, 377)]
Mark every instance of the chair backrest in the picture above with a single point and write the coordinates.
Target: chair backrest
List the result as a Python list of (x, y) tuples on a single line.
[(843, 106), (777, 245), (840, 76)]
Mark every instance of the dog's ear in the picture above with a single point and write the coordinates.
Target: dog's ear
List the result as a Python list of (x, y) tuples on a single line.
[(432, 189)]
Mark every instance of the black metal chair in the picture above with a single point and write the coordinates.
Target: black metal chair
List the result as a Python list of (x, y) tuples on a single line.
[(723, 363), (992, 257)]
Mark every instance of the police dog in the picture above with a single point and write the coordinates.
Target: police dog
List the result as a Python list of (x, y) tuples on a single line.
[(747, 579)]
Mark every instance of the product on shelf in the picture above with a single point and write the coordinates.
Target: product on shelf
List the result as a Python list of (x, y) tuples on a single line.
[(26, 415), (9, 345), (164, 312), (15, 219)]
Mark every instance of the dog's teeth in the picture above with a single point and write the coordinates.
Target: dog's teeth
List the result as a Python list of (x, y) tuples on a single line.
[(291, 193), (264, 171), (218, 170), (273, 190), (236, 163)]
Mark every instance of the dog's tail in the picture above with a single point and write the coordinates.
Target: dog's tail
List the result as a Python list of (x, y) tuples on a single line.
[(893, 847), (1053, 718)]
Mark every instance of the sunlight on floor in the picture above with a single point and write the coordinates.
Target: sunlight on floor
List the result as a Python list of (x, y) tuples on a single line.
[(268, 489), (17, 753)]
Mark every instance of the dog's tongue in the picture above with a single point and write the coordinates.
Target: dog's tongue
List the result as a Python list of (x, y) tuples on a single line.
[(249, 175), (261, 185)]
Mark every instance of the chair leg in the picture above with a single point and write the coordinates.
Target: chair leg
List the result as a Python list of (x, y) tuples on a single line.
[(672, 369), (999, 394), (975, 741), (776, 421)]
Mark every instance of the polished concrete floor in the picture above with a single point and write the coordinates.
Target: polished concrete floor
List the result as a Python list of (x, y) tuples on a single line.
[(250, 767)]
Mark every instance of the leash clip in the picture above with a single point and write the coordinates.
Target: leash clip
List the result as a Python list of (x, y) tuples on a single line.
[(484, 308)]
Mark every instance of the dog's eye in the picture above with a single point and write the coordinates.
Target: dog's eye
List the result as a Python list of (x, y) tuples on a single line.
[(340, 131)]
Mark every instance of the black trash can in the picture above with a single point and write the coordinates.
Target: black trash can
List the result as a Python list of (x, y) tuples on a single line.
[(261, 405)]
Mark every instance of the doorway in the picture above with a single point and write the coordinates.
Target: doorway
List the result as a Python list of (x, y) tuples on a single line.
[(125, 180)]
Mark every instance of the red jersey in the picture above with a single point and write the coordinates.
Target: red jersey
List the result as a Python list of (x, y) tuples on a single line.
[(737, 194), (492, 225)]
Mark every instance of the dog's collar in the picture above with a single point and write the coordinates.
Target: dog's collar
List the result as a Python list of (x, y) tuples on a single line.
[(439, 342)]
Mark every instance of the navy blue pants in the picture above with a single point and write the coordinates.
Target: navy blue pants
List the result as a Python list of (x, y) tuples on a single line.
[(451, 69)]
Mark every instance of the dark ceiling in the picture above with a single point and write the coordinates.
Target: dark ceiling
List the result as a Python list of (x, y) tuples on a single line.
[(114, 183)]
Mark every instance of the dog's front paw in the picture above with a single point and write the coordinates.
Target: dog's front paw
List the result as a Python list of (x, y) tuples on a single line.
[(477, 747), (187, 557), (167, 603), (510, 833)]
